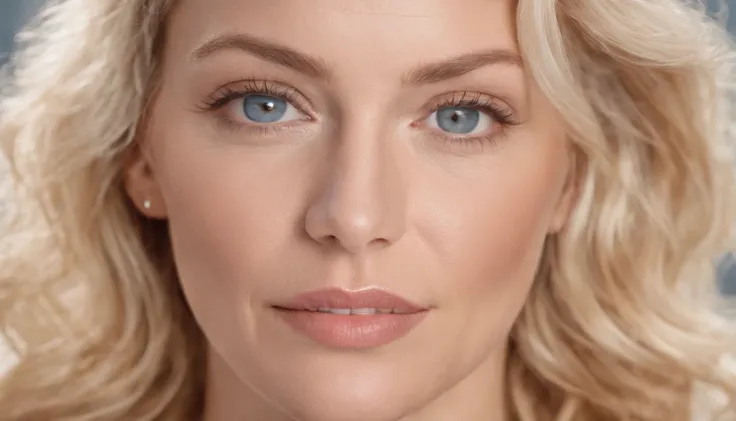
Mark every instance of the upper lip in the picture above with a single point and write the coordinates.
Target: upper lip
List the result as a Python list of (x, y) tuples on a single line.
[(334, 298)]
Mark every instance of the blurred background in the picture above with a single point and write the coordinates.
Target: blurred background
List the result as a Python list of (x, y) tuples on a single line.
[(13, 13)]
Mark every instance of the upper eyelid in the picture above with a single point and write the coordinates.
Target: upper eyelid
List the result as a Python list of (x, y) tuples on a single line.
[(464, 97), (482, 101), (284, 91)]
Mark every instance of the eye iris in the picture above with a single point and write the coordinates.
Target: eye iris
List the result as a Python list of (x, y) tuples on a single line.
[(461, 120), (263, 108)]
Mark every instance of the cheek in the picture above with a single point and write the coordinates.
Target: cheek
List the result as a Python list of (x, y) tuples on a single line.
[(489, 242), (231, 217), (212, 220)]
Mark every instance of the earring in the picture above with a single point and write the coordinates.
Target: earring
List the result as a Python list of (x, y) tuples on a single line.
[(147, 204)]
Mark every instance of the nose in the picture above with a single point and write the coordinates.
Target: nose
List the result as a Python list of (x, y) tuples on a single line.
[(361, 204)]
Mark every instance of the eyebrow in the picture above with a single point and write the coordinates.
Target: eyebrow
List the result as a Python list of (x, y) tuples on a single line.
[(460, 65), (314, 67), (265, 50)]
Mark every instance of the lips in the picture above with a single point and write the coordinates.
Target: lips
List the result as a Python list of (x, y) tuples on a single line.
[(361, 301), (351, 319), (358, 311)]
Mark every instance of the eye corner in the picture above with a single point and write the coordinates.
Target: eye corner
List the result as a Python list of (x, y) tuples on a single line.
[(418, 122)]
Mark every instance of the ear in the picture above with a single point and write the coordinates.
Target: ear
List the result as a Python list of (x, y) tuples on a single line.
[(141, 185), (568, 198)]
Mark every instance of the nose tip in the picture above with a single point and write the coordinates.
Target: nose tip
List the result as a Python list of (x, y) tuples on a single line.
[(355, 229)]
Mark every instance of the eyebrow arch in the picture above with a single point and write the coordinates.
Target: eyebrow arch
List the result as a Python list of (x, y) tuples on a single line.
[(460, 65), (316, 68), (265, 50)]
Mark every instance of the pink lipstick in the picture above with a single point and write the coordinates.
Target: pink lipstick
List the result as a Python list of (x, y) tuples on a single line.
[(351, 319)]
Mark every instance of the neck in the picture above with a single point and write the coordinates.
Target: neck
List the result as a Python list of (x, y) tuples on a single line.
[(479, 396)]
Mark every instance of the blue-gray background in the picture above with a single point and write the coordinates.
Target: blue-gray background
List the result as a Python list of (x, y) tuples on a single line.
[(14, 12)]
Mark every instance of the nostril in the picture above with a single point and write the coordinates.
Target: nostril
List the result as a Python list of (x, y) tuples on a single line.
[(379, 242), (329, 241), (332, 240)]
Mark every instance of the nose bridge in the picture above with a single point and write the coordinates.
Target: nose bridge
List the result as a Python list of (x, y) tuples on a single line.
[(362, 202)]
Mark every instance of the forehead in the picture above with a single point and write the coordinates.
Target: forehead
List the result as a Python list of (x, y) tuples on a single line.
[(376, 33)]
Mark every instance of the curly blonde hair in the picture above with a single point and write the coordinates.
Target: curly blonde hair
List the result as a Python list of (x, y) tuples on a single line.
[(623, 322)]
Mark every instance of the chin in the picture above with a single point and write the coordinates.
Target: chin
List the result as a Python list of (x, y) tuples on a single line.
[(349, 408), (352, 399)]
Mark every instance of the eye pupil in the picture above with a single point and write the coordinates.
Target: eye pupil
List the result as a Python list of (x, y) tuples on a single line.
[(460, 120)]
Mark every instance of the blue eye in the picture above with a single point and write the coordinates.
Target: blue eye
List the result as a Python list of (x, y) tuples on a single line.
[(264, 109), (459, 120)]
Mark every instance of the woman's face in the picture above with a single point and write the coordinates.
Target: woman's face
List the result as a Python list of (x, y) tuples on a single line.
[(314, 157)]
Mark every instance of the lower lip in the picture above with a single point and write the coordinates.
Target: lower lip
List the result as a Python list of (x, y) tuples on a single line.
[(351, 331)]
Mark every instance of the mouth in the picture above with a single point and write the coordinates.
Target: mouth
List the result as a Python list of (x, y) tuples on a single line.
[(341, 301), (352, 311), (338, 318)]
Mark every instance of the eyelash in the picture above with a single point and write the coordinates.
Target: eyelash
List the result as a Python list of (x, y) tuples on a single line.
[(229, 92), (487, 104)]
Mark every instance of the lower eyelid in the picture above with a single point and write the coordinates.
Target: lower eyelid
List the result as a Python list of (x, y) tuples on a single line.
[(263, 130)]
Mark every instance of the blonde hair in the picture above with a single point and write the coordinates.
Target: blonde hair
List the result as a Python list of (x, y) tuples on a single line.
[(621, 323)]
